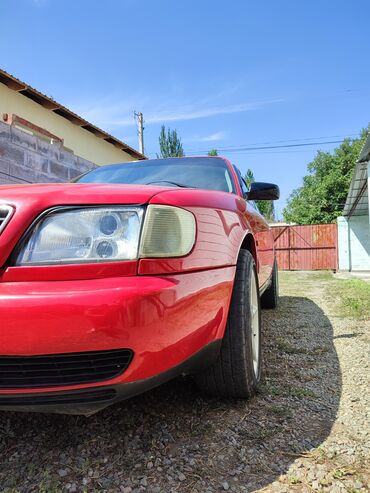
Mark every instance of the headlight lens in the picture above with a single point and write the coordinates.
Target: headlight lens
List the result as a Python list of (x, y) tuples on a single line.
[(84, 235), (106, 234), (167, 232)]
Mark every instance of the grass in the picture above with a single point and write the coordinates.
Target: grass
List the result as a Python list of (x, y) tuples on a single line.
[(353, 298), (287, 391), (301, 393), (49, 484), (317, 275), (342, 472), (279, 410), (323, 275), (274, 390), (285, 347), (294, 479)]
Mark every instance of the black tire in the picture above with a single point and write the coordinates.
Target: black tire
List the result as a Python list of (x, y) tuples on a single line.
[(233, 374), (270, 297)]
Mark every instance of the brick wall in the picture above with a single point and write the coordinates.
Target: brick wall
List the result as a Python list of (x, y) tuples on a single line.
[(25, 158)]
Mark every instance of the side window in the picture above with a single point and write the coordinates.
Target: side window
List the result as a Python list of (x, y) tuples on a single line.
[(228, 181), (245, 189), (242, 183)]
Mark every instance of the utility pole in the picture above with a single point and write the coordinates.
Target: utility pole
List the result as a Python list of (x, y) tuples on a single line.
[(140, 130)]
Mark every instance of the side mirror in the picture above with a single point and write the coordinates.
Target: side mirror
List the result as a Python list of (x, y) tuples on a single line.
[(263, 191)]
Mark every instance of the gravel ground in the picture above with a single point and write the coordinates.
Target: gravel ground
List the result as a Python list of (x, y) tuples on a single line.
[(307, 430)]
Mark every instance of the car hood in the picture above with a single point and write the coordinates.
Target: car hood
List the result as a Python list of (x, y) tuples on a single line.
[(29, 201), (42, 196)]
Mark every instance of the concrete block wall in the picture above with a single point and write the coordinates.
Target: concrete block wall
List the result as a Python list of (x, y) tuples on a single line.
[(26, 158)]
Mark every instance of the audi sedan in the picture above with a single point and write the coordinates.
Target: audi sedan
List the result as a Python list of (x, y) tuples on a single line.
[(130, 276)]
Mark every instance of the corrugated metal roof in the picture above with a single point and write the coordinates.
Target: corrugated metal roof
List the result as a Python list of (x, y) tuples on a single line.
[(49, 103), (365, 151), (357, 201)]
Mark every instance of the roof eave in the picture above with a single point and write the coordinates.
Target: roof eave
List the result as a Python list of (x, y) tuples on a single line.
[(357, 202), (50, 104)]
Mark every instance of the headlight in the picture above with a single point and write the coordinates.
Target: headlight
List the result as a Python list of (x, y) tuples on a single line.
[(103, 234), (167, 232), (84, 235)]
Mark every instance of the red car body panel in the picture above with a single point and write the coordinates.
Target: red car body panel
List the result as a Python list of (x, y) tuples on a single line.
[(165, 310), (145, 314)]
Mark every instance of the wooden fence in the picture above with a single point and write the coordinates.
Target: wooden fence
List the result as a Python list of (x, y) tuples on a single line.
[(309, 247)]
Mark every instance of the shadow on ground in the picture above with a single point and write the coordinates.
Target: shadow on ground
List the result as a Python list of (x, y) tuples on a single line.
[(175, 439)]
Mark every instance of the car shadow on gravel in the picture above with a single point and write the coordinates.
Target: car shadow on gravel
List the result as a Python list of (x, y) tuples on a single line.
[(175, 439)]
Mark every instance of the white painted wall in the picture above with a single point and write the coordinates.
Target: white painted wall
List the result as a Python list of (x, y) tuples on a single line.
[(354, 239), (359, 240), (354, 243), (343, 244)]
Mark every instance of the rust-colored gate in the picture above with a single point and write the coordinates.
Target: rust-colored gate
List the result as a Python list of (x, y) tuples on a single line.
[(309, 247)]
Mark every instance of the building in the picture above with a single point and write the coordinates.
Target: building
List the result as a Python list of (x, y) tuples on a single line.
[(42, 140), (354, 224)]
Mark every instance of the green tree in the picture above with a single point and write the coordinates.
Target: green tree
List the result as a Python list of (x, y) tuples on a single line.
[(213, 152), (169, 144), (266, 207), (249, 177), (323, 194)]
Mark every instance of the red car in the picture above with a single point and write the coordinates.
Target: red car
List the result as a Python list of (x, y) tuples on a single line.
[(132, 275)]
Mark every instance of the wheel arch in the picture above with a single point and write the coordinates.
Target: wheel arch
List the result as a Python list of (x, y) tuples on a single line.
[(249, 244)]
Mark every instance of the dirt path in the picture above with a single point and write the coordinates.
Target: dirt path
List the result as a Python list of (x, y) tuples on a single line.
[(305, 431)]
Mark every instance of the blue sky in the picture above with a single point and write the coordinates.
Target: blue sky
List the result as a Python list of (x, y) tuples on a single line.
[(224, 74)]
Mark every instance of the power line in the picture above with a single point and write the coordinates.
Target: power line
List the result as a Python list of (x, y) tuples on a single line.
[(259, 153), (276, 142), (286, 146), (249, 153), (249, 148)]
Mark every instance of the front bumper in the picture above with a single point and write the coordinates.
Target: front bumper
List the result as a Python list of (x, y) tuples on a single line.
[(164, 320), (90, 401)]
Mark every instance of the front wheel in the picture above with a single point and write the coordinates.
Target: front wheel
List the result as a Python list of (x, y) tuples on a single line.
[(237, 370)]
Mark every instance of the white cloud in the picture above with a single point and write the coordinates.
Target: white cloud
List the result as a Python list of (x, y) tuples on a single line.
[(213, 137), (120, 113), (191, 112), (207, 138)]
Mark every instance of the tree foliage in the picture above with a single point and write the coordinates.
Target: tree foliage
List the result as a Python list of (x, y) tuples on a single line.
[(249, 177), (266, 207), (169, 144), (213, 152), (323, 194)]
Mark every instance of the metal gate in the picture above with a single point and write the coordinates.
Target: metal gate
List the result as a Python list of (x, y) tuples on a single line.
[(309, 247)]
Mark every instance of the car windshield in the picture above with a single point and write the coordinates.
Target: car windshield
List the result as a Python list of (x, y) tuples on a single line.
[(203, 172)]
